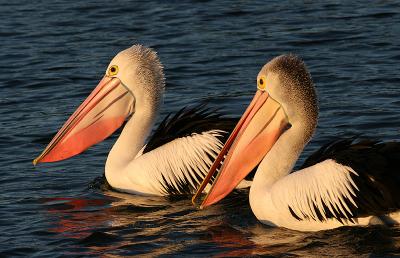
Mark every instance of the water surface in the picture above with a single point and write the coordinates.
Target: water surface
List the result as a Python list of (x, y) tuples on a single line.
[(52, 56)]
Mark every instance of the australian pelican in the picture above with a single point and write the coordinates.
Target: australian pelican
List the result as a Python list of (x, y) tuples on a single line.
[(177, 156), (347, 182)]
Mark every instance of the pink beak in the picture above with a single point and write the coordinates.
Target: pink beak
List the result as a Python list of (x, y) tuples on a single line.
[(103, 112), (253, 137)]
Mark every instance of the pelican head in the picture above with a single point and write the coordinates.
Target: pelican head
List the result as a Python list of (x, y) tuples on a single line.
[(289, 83), (285, 101), (133, 82), (140, 71)]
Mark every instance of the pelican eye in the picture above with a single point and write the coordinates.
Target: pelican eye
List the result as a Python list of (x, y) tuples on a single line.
[(261, 84), (113, 70)]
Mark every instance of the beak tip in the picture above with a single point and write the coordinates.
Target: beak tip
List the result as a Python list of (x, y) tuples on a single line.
[(35, 161), (201, 206)]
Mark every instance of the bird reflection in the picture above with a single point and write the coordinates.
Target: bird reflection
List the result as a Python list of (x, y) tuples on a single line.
[(117, 223)]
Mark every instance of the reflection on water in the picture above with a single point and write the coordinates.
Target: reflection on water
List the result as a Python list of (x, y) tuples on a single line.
[(123, 224), (76, 218), (72, 217), (54, 53)]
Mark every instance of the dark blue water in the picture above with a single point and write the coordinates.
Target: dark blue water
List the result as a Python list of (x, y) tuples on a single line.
[(52, 55)]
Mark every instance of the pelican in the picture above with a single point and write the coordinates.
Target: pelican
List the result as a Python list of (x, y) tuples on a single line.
[(348, 182), (174, 160)]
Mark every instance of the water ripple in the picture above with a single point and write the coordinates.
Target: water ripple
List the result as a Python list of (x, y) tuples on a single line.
[(53, 54)]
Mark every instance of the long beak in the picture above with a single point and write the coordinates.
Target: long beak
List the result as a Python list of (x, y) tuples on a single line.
[(103, 112), (253, 137)]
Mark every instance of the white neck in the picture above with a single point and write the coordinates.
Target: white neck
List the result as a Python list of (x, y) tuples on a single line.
[(281, 159), (131, 139)]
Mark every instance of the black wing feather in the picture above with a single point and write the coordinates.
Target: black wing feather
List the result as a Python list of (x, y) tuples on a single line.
[(188, 121), (378, 167)]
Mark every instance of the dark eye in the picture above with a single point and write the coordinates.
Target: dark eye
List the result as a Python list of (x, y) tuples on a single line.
[(113, 70), (261, 83)]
